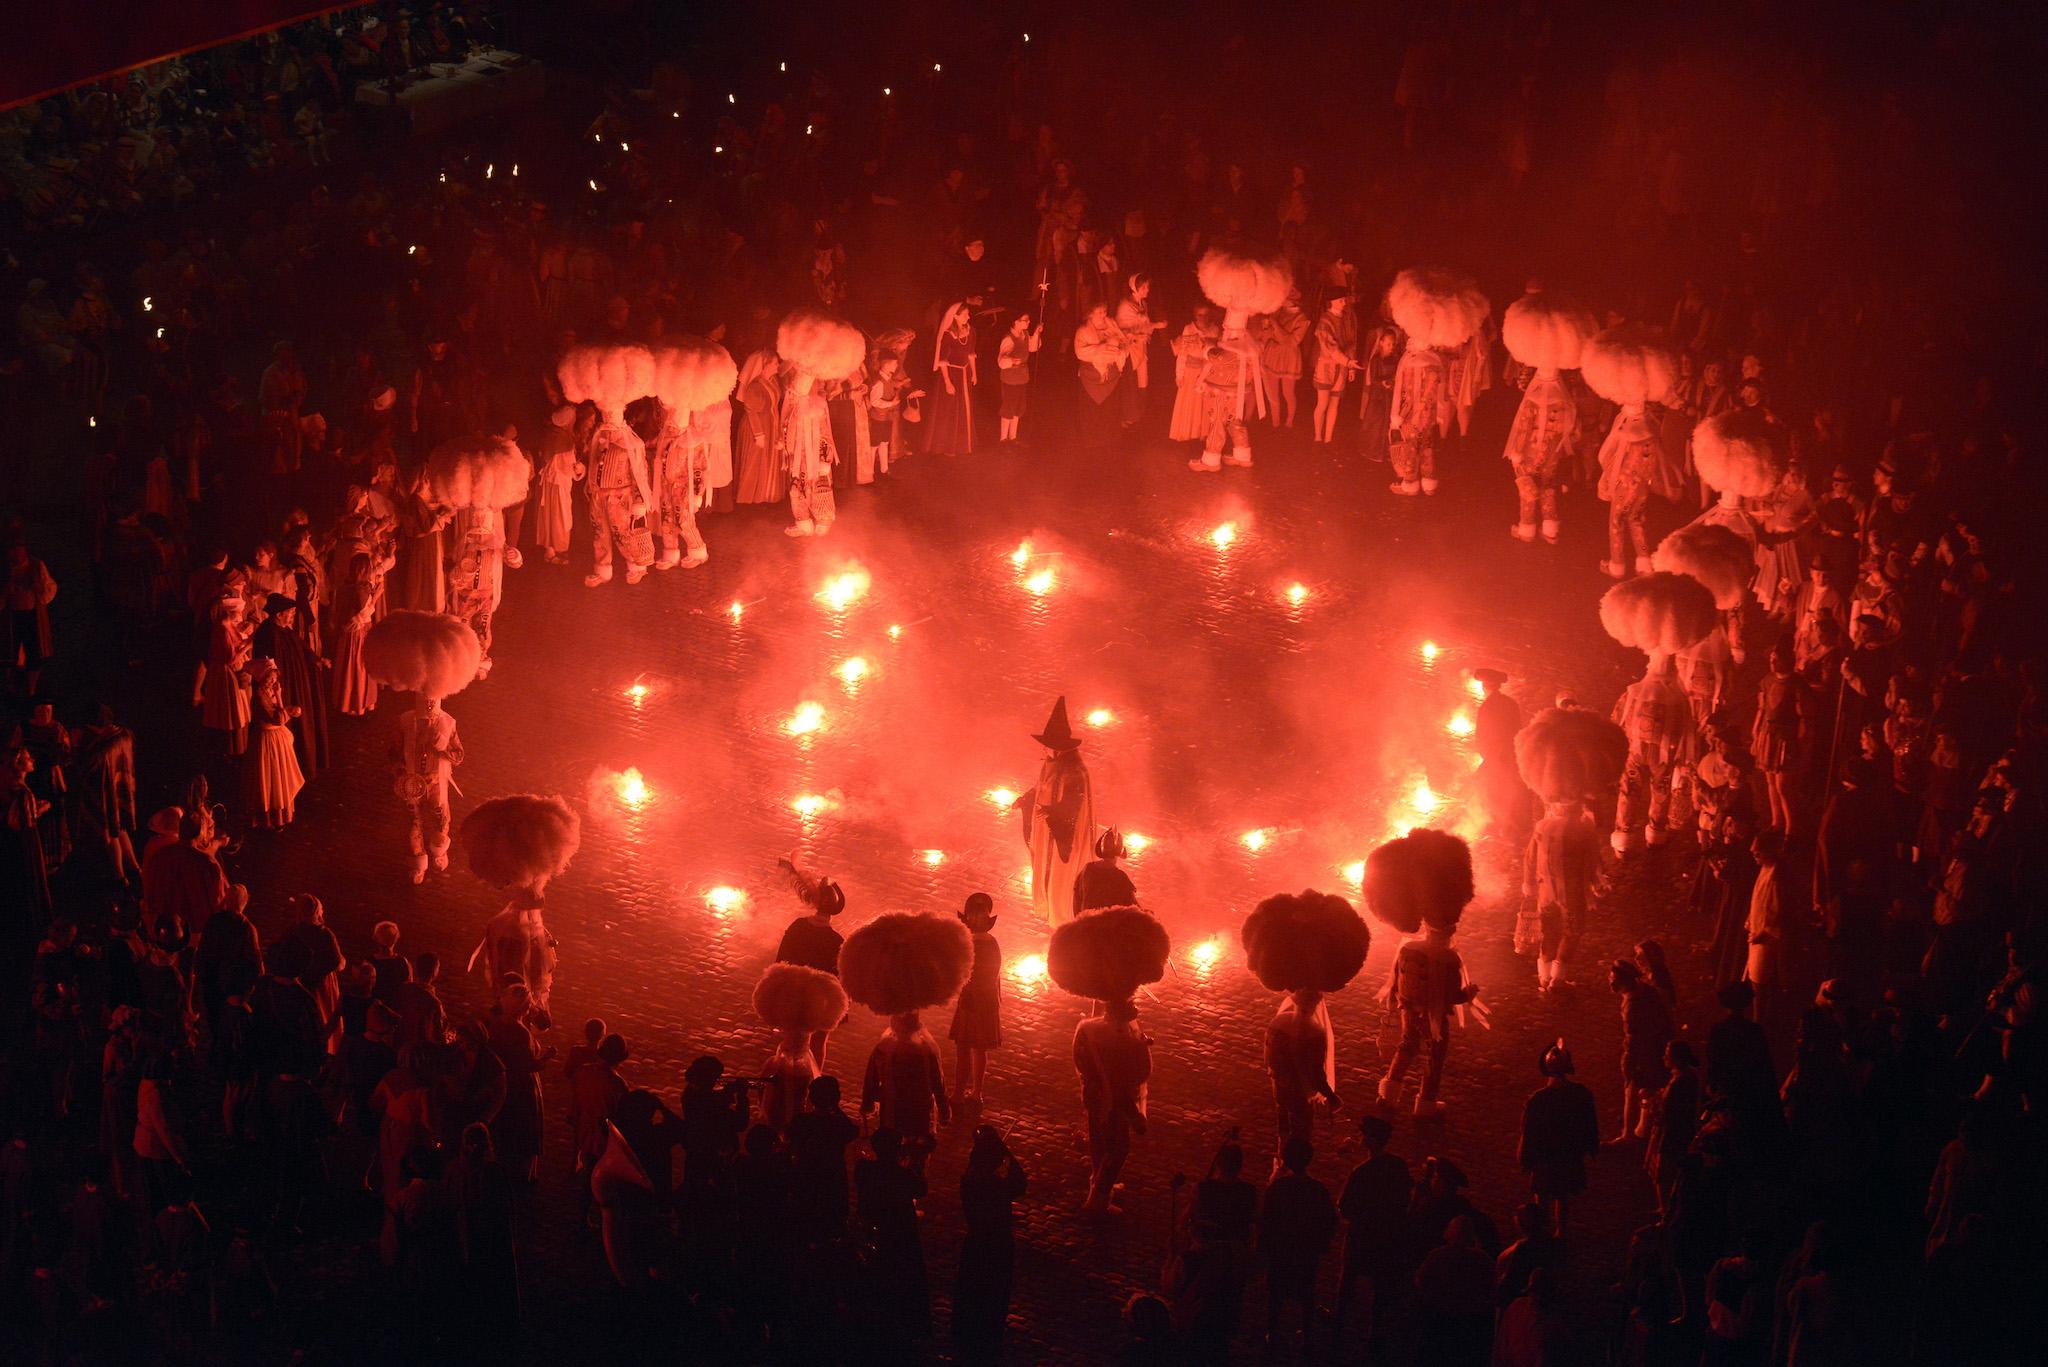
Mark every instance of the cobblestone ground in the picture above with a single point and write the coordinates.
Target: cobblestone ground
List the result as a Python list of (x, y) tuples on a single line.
[(1319, 723)]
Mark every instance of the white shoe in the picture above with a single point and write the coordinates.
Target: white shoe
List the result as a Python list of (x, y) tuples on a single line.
[(1405, 489), (1643, 565), (591, 581), (513, 559), (1429, 486), (419, 871), (695, 558), (821, 529), (1425, 1109), (800, 529), (1614, 569), (440, 861), (1388, 1092), (1621, 841), (1523, 531), (669, 560), (636, 573), (1550, 530), (1241, 457), (1203, 465)]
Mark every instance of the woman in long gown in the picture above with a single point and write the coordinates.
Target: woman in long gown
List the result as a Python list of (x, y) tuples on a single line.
[(949, 431), (1190, 354), (223, 692), (355, 608), (760, 478), (1381, 353), (421, 578), (275, 779)]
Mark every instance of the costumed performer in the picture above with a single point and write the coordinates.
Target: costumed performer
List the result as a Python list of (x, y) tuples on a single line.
[(1107, 956), (899, 965), (1438, 311), (559, 472), (810, 941), (1569, 757), (1548, 334), (1560, 1131), (1100, 352), (1632, 367), (1305, 944), (520, 843), (690, 376), (1494, 726), (799, 1004), (951, 429), (1419, 884), (620, 488), (815, 348), (435, 656), (1336, 358), (1134, 320), (1013, 366), (1660, 615), (1241, 283), (479, 477), (1190, 358), (977, 1016), (1742, 457), (1059, 819), (1102, 881), (1720, 560)]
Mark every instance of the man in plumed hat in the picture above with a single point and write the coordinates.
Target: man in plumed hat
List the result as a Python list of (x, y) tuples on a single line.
[(1059, 819)]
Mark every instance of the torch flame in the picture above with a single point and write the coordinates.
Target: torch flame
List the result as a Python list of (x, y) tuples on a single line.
[(1021, 555), (1203, 954), (1101, 716), (934, 858), (807, 804), (843, 590), (1135, 844), (1002, 798), (852, 671), (1223, 536), (1040, 583), (1425, 799), (633, 790), (1255, 840), (1460, 724), (1354, 873), (638, 692), (807, 718), (737, 610), (1297, 594), (725, 900), (895, 632), (1430, 650), (1029, 970)]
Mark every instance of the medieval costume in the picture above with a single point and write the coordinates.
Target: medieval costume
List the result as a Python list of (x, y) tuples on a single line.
[(559, 472), (950, 431), (1548, 335), (1100, 352), (298, 673), (1336, 358), (477, 586), (516, 940), (275, 779), (1439, 312), (817, 349), (759, 477), (426, 753), (1421, 882), (1557, 875), (1232, 381), (1279, 335), (621, 493), (1059, 820), (678, 469), (1190, 358), (224, 689), (356, 603)]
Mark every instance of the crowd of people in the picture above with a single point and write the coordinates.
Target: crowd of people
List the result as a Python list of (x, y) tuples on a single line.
[(1842, 1165)]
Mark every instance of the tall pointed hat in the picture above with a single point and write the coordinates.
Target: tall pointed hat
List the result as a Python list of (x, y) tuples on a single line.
[(1057, 734)]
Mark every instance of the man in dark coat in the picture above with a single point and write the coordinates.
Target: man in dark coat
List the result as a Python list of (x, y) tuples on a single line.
[(1102, 881), (1560, 1131), (298, 674), (1498, 720), (1377, 1240)]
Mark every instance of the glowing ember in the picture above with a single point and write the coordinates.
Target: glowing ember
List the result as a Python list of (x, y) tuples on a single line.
[(807, 718), (1297, 594), (852, 671), (1024, 877), (1135, 844), (1040, 584), (1424, 798), (934, 858), (633, 790), (808, 804), (1223, 536), (895, 633), (843, 590), (1021, 555), (638, 692), (1255, 840), (1430, 650), (1002, 798), (1101, 716), (1029, 970), (1460, 724), (1475, 688), (737, 611), (1203, 954), (725, 900), (1354, 873)]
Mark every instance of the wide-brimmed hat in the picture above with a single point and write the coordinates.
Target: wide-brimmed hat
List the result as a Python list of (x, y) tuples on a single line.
[(1058, 735), (1492, 678)]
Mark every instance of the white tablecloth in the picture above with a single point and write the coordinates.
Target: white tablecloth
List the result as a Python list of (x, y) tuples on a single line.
[(446, 94)]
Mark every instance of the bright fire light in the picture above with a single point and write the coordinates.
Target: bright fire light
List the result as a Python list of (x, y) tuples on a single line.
[(1475, 688), (1135, 844), (633, 790), (1101, 716), (807, 718), (1354, 873), (737, 610), (895, 633), (638, 692), (807, 804), (1203, 954), (1430, 650), (1424, 799), (1029, 970), (1297, 594), (1002, 798), (1040, 583), (725, 900), (1021, 555), (1255, 840), (1460, 724), (1223, 536), (932, 857), (841, 591), (852, 671)]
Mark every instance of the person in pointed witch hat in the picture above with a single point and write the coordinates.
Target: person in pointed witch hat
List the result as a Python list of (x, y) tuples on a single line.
[(1059, 819)]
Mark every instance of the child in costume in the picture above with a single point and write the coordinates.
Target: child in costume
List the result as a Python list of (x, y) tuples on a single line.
[(1336, 358), (887, 399), (1438, 310), (1013, 364), (1306, 945), (810, 941), (1102, 881), (815, 348), (1421, 883), (1240, 285), (1567, 756), (621, 490), (1547, 334), (1659, 614), (1107, 956), (436, 656), (274, 761), (899, 965), (1632, 368), (977, 1016), (1279, 335), (520, 843), (1190, 358)]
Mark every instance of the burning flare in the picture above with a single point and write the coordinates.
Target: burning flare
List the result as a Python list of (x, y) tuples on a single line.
[(633, 789), (725, 900), (842, 591), (808, 718)]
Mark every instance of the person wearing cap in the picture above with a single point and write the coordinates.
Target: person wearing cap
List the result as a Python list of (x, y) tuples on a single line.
[(1059, 819), (278, 640), (977, 1014), (560, 470), (1560, 1131), (1102, 881)]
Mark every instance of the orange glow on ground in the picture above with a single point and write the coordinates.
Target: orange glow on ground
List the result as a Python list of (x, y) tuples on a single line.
[(808, 718), (633, 789)]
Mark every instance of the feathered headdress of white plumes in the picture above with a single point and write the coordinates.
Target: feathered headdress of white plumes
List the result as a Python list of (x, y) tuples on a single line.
[(1546, 330), (1108, 955), (483, 472), (798, 1000), (1305, 941), (521, 841), (1659, 614), (1242, 282), (818, 893), (1437, 308), (1629, 365), (609, 376), (429, 653), (1423, 878), (691, 374), (899, 962), (1740, 451), (1715, 555), (820, 347), (1568, 753)]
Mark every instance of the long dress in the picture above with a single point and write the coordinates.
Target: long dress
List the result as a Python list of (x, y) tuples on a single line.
[(1059, 830), (977, 1016), (949, 431), (554, 529), (273, 764), (225, 696), (298, 678), (1190, 353), (760, 478), (420, 580), (355, 608)]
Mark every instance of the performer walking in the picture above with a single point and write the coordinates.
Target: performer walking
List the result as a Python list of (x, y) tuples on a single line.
[(478, 477), (520, 843), (1438, 310), (1059, 819), (815, 348), (899, 965), (799, 1004), (1630, 367), (620, 488), (1548, 334), (1241, 285), (435, 656), (1336, 358), (1107, 956), (1305, 944), (810, 941), (1659, 614), (1570, 757), (977, 1016), (1421, 883)]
